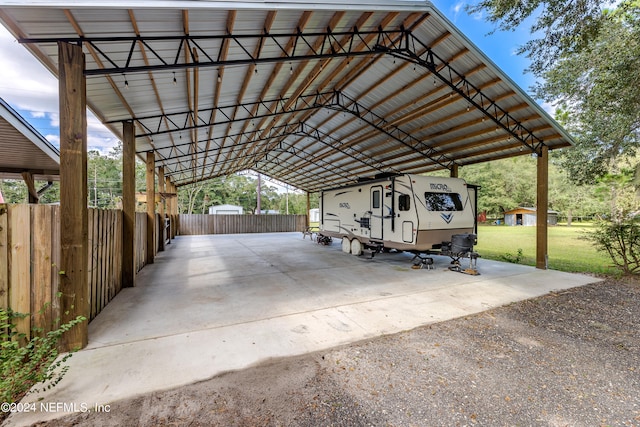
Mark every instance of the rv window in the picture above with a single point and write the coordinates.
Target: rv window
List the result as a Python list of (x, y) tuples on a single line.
[(443, 202), (404, 202), (375, 203)]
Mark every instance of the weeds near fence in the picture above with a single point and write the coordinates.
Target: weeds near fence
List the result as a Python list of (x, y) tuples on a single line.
[(29, 363)]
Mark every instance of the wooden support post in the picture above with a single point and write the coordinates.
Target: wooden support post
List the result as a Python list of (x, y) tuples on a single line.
[(175, 210), (542, 209), (151, 207), (454, 171), (162, 235), (308, 209), (31, 187), (128, 205), (259, 201), (73, 194), (170, 201)]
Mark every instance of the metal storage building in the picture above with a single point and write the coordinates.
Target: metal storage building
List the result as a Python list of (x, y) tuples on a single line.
[(225, 210), (527, 216)]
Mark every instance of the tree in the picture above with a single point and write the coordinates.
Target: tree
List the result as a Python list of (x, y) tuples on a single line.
[(563, 26), (14, 191), (588, 58), (104, 175), (572, 199), (507, 183), (298, 203), (233, 189), (188, 196), (598, 88)]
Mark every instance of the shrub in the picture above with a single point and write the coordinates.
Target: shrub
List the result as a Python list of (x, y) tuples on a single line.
[(515, 259), (23, 364), (621, 240)]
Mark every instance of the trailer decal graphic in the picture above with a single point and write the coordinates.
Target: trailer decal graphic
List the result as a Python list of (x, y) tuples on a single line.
[(440, 187), (447, 217)]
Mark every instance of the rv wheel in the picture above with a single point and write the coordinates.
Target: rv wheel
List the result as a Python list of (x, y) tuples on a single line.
[(346, 245), (356, 247)]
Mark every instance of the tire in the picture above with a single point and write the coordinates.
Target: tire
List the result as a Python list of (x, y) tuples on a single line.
[(356, 247), (346, 245)]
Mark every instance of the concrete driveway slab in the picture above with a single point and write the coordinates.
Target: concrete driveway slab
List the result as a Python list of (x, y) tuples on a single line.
[(211, 304)]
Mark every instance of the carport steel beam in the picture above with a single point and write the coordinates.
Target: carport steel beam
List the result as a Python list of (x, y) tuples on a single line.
[(400, 43), (333, 100), (330, 47)]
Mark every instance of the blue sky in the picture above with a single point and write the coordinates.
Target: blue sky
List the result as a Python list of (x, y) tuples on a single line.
[(499, 46), (33, 91)]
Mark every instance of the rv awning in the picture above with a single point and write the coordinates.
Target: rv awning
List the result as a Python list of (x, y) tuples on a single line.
[(315, 95), (24, 150)]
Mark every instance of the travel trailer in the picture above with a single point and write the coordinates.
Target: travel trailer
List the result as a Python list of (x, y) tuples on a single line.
[(414, 213)]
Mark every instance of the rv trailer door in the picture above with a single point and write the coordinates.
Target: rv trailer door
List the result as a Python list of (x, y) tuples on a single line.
[(376, 205)]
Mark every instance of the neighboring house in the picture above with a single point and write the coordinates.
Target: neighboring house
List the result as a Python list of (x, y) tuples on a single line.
[(527, 216), (225, 210), (26, 154)]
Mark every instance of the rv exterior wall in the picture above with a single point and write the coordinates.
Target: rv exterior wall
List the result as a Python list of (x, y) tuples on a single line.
[(406, 212)]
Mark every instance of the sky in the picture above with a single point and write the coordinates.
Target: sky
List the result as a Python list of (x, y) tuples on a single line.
[(33, 91)]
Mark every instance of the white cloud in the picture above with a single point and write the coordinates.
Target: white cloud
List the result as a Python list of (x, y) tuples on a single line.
[(478, 16), (550, 108), (460, 8), (24, 82), (54, 119), (54, 139), (457, 8), (27, 85)]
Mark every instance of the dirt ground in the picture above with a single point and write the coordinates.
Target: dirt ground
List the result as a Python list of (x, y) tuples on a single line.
[(565, 359)]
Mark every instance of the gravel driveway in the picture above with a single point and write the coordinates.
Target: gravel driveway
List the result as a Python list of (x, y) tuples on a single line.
[(564, 359)]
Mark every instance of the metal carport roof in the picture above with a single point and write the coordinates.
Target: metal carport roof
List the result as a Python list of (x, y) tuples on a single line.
[(311, 94), (24, 150)]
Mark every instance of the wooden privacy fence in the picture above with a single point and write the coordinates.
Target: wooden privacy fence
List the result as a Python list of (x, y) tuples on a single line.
[(105, 258), (29, 254), (236, 224), (141, 240), (29, 257)]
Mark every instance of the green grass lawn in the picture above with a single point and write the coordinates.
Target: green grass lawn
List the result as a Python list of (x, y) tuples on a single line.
[(567, 250)]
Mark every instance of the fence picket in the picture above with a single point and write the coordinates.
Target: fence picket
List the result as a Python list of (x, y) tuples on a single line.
[(41, 268), (20, 264), (4, 257)]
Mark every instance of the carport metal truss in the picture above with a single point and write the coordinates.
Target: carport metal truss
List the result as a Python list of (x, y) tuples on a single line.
[(207, 51), (272, 158), (179, 122), (279, 133)]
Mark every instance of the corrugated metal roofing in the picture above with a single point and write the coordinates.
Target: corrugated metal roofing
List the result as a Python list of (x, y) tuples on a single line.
[(23, 149), (279, 104)]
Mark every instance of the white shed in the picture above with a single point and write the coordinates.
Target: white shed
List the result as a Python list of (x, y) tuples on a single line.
[(225, 210), (314, 215), (527, 216)]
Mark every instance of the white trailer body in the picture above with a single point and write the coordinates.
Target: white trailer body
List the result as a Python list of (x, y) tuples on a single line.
[(405, 212)]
